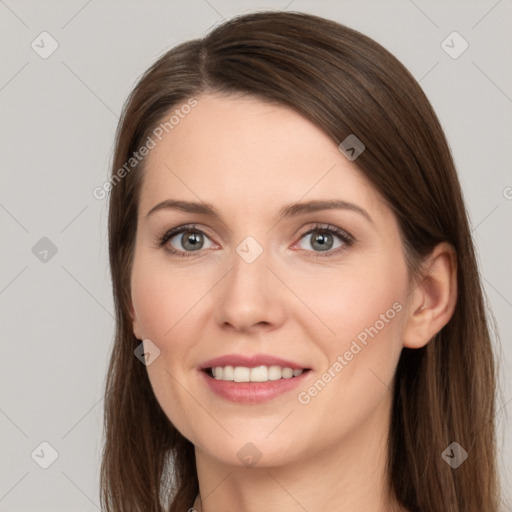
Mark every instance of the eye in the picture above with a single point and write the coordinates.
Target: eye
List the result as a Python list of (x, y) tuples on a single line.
[(327, 239), (184, 240)]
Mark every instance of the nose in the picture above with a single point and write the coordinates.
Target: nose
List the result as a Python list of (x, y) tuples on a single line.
[(250, 296)]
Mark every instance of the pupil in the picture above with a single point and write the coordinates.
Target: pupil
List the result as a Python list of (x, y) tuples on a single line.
[(324, 240), (193, 239)]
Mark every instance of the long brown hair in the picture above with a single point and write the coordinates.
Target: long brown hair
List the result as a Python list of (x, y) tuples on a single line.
[(345, 83)]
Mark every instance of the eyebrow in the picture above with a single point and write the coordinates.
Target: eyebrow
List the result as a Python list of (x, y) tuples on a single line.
[(290, 210), (286, 211)]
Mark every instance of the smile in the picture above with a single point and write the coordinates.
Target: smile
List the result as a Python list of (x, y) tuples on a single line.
[(257, 374), (251, 379)]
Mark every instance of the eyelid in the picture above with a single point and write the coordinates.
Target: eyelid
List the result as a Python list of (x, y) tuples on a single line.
[(178, 230), (345, 237)]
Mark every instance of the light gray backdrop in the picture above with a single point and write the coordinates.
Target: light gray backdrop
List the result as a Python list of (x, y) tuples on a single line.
[(61, 93)]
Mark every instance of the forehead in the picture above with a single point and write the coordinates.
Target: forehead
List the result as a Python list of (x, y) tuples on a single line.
[(242, 152)]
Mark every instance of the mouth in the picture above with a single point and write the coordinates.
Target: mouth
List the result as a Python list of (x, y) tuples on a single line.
[(260, 373), (252, 379)]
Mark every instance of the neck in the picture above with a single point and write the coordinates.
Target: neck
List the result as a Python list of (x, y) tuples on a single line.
[(350, 476)]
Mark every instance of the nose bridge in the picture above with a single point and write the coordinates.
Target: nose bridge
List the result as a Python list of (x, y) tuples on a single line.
[(248, 296), (249, 274)]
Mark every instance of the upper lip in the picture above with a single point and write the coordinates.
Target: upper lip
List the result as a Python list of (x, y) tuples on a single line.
[(251, 361)]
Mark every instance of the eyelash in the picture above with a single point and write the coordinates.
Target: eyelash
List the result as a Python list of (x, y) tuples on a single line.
[(347, 239)]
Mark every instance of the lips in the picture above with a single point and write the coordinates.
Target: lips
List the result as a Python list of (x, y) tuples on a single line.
[(252, 379), (251, 362)]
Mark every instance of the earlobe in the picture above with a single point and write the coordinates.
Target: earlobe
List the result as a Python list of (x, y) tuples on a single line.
[(434, 297)]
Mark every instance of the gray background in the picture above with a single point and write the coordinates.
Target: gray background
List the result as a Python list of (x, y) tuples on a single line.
[(58, 120)]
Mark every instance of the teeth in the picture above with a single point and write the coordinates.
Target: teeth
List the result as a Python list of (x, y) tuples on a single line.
[(257, 374), (287, 373), (227, 372), (274, 372), (242, 374)]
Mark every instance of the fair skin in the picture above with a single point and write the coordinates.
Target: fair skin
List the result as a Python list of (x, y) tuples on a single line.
[(248, 159)]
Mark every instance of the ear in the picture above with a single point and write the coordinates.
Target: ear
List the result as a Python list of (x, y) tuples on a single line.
[(135, 323), (433, 300)]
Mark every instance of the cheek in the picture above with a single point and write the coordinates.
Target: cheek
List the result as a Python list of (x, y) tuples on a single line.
[(150, 301), (163, 302), (365, 307), (163, 298), (356, 302)]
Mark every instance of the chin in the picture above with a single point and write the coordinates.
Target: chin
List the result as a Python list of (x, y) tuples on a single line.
[(254, 451)]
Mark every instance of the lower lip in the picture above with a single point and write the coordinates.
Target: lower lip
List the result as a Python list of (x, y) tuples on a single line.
[(252, 392)]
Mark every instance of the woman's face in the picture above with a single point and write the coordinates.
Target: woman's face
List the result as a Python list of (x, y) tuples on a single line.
[(259, 285)]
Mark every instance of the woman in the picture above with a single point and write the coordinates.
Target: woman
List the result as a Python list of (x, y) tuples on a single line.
[(299, 317)]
